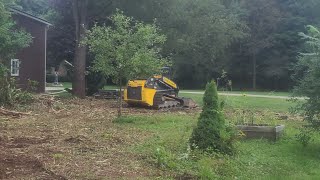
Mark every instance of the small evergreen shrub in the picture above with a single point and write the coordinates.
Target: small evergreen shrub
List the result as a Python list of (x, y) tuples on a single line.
[(307, 77), (211, 133)]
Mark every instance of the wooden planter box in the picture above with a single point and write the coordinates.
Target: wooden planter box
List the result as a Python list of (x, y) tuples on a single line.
[(261, 131)]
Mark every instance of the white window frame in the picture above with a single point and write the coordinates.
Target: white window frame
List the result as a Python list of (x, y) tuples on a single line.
[(15, 70)]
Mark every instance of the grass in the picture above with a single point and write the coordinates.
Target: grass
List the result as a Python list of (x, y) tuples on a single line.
[(65, 95), (67, 84), (269, 93), (265, 93), (256, 159), (109, 87), (245, 102)]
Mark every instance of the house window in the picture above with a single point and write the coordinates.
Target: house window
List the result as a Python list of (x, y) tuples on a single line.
[(15, 65)]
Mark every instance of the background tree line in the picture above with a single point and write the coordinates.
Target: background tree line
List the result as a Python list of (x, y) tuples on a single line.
[(255, 41)]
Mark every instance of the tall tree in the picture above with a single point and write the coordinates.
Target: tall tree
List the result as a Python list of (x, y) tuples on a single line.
[(307, 75), (11, 37), (67, 39), (279, 30), (128, 50), (61, 36), (206, 36), (39, 8), (80, 16), (263, 19)]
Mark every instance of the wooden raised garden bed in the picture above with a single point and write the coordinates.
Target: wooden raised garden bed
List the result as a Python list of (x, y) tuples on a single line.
[(261, 131)]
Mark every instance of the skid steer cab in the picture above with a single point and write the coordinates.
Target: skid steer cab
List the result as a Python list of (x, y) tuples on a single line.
[(157, 92)]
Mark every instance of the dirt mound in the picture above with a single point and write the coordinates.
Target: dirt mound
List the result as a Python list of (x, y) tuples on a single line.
[(15, 165), (21, 142)]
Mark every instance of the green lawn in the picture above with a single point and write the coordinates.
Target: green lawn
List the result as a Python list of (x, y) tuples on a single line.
[(69, 85), (267, 93), (167, 148), (245, 102), (270, 93), (256, 103), (256, 159)]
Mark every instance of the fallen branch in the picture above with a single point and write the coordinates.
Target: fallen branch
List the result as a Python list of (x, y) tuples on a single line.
[(12, 113)]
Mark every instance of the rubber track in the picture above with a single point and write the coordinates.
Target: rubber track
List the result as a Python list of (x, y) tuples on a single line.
[(160, 104)]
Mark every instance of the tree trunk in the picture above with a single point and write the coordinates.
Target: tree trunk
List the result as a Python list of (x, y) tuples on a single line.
[(80, 18), (254, 74)]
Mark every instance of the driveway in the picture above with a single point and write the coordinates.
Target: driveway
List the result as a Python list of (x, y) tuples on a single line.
[(58, 88)]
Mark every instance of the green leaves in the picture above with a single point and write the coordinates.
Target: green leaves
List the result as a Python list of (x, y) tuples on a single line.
[(39, 8), (307, 75), (210, 98), (211, 133), (200, 32), (127, 49), (12, 39)]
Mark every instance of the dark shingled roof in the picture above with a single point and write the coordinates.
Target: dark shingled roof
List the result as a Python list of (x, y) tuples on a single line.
[(30, 16)]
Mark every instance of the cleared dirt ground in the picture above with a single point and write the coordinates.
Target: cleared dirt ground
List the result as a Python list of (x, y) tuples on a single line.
[(71, 139)]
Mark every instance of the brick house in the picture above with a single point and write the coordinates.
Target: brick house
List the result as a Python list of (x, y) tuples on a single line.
[(30, 63)]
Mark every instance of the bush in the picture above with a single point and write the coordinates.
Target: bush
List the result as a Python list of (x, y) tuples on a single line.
[(211, 133), (307, 75), (95, 82), (305, 136), (9, 94)]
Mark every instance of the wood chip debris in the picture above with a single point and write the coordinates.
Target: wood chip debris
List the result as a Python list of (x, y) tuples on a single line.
[(16, 114)]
